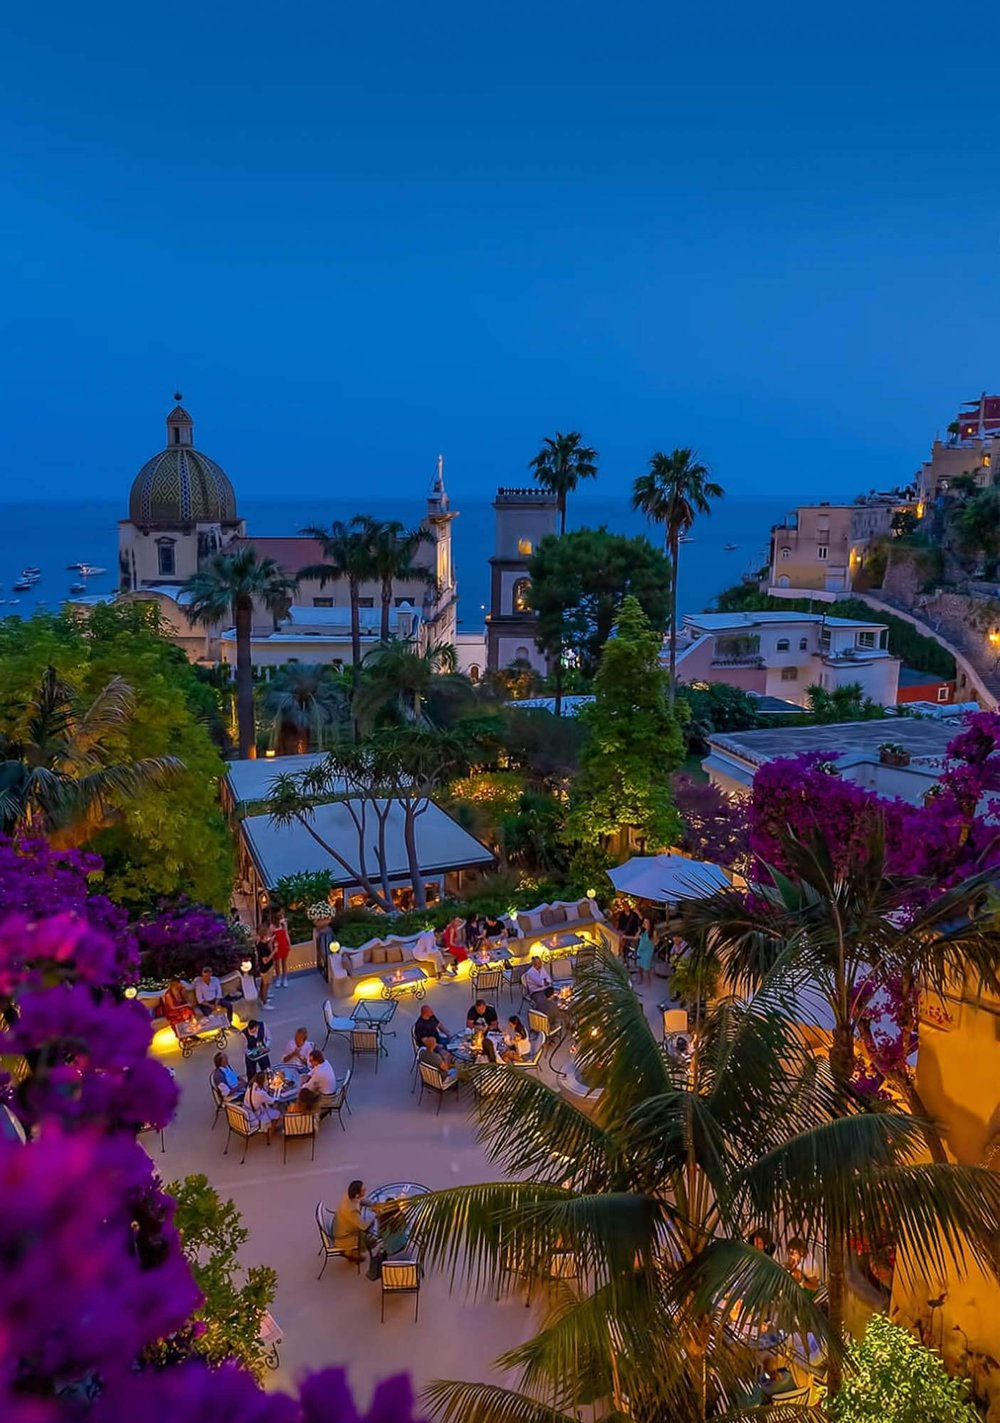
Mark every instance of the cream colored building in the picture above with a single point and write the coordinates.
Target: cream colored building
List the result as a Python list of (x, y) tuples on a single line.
[(978, 456), (182, 510), (823, 546)]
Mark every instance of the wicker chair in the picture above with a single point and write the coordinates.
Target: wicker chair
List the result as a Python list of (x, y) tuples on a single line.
[(298, 1124), (327, 1248), (240, 1123), (534, 1061), (561, 969), (220, 1099), (336, 1101), (487, 980), (401, 1277), (366, 1042), (539, 1022), (434, 1080)]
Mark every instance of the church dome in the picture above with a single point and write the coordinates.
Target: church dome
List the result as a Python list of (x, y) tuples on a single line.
[(180, 485)]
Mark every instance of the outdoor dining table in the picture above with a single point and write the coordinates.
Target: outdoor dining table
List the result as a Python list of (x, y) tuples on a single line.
[(403, 981), (395, 1191), (490, 956), (283, 1082), (461, 1045)]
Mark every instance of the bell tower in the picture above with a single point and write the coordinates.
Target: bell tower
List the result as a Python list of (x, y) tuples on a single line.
[(523, 518), (180, 426), (438, 519)]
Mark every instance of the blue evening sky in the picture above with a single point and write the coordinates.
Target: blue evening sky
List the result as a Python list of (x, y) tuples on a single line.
[(356, 235)]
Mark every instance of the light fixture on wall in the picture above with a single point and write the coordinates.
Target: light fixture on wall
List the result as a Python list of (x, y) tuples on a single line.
[(131, 991)]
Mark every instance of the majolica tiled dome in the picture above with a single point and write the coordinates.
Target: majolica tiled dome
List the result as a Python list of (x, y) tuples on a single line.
[(180, 485)]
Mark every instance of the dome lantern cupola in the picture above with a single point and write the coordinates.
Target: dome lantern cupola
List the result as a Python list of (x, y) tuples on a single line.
[(180, 486)]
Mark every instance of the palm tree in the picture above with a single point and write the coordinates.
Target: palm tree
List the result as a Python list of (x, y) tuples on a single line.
[(303, 704), (228, 586), (843, 936), (675, 490), (560, 465), (636, 1215), (348, 549), (57, 775), (393, 549), (397, 679)]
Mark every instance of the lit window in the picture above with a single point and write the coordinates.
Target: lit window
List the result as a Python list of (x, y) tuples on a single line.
[(942, 693), (783, 644), (520, 595), (821, 552), (474, 673), (789, 674), (525, 548)]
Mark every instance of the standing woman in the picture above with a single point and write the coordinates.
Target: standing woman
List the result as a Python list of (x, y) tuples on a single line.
[(644, 951), (282, 948), (264, 953)]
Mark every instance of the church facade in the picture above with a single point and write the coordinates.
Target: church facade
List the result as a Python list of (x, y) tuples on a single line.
[(183, 510)]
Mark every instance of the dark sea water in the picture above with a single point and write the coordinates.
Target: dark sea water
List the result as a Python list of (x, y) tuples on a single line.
[(53, 535)]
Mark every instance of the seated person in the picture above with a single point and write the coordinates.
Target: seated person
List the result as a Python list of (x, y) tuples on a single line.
[(393, 1236), (429, 1022), (175, 1005), (549, 1003), (481, 1015), (304, 1102), (354, 1222), (297, 1049), (536, 978), (762, 1240), (226, 1080), (209, 997), (775, 1378), (493, 928), (432, 1054), (425, 950), (511, 925), (452, 943), (517, 1040), (473, 932), (260, 1104), (322, 1080), (801, 1265)]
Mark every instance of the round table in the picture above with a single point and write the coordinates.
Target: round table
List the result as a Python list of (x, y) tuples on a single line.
[(292, 1078), (397, 1190)]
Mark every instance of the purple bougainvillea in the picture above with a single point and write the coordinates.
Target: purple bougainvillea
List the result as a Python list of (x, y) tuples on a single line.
[(181, 938), (93, 1274)]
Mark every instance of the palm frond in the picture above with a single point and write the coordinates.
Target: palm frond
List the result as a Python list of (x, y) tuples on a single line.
[(458, 1402), (527, 1126)]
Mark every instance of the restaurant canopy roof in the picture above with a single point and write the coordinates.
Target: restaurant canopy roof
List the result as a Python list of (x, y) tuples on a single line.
[(248, 781), (280, 850), (667, 878)]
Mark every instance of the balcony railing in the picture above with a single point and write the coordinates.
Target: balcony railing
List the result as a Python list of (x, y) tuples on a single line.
[(748, 659)]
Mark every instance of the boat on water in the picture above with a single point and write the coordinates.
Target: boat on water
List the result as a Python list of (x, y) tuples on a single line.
[(32, 571), (730, 548), (78, 587), (23, 585), (686, 539), (90, 570)]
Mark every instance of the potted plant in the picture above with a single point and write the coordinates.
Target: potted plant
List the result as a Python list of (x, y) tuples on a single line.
[(891, 753)]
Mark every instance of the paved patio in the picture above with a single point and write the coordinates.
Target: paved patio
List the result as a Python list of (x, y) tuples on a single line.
[(389, 1137)]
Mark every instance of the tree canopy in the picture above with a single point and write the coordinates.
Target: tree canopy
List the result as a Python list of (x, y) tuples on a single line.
[(578, 583)]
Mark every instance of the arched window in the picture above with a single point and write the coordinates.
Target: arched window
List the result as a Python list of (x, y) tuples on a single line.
[(803, 644), (786, 553), (474, 673), (783, 644), (783, 581), (520, 595), (525, 548), (521, 654)]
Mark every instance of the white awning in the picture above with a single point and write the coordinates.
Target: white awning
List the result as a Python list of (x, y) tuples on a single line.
[(666, 879)]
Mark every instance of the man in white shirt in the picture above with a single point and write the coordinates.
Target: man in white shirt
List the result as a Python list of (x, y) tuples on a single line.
[(535, 981), (209, 997), (425, 950), (297, 1049), (322, 1079)]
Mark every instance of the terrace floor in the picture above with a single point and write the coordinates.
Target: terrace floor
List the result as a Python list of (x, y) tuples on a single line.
[(389, 1137)]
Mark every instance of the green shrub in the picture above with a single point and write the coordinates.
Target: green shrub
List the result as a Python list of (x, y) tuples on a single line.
[(893, 1379)]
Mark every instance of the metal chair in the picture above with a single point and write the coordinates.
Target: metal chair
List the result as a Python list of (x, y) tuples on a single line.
[(366, 1041), (561, 969), (539, 1022), (336, 1101), (675, 1020), (156, 1131), (401, 1277), (434, 1080), (534, 1061), (513, 973), (240, 1123), (487, 980), (327, 1248), (219, 1098), (298, 1124)]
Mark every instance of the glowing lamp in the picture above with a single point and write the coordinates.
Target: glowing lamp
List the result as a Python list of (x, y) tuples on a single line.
[(131, 991), (245, 965), (269, 754), (591, 893)]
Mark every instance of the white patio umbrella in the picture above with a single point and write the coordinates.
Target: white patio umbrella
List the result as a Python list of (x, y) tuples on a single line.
[(666, 879)]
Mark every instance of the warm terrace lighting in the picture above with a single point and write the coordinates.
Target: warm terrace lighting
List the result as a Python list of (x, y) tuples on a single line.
[(370, 988), (131, 991), (164, 1040), (591, 893), (245, 966), (269, 754)]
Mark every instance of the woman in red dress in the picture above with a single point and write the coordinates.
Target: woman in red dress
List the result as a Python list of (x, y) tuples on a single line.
[(282, 948), (450, 942), (175, 1006)]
